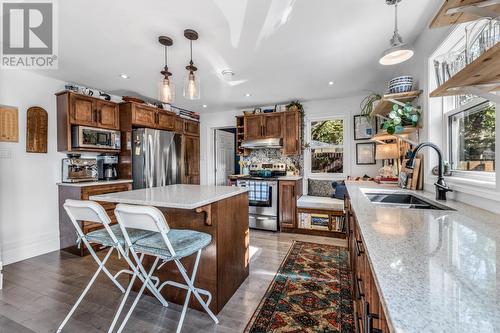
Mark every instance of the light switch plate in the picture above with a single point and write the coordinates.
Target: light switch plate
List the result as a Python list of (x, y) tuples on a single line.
[(5, 153)]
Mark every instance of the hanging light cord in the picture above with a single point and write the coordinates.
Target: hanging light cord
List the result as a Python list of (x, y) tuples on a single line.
[(191, 47), (396, 18)]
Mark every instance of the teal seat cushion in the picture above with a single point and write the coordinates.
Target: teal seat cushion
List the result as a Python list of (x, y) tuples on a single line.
[(102, 237), (184, 242)]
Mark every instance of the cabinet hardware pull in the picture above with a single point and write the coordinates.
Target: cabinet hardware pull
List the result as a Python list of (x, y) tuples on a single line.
[(360, 292), (358, 251)]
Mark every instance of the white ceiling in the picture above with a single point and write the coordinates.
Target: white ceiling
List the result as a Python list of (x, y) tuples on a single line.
[(276, 57)]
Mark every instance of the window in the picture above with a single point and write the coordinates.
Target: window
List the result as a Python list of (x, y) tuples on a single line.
[(327, 146), (472, 137)]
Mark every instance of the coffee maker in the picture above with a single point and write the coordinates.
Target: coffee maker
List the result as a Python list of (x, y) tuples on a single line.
[(76, 169), (107, 167)]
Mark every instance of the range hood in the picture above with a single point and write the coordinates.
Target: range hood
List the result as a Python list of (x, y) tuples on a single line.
[(275, 143)]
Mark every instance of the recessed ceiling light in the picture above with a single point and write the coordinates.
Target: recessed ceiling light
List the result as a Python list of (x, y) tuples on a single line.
[(204, 105), (330, 83), (248, 94), (227, 74), (124, 76)]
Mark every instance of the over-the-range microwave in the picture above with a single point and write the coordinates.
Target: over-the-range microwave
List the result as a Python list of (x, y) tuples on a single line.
[(90, 137)]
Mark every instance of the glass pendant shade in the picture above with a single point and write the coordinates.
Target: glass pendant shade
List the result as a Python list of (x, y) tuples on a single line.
[(167, 91), (192, 86)]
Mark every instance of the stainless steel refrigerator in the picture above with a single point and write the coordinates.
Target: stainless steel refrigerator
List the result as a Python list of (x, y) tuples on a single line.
[(156, 158)]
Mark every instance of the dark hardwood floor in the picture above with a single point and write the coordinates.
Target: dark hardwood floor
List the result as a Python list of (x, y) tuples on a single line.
[(39, 292)]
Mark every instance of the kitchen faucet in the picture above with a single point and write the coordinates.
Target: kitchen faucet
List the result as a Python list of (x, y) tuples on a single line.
[(441, 187)]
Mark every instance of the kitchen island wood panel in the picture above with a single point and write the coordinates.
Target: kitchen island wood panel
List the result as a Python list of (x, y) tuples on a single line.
[(220, 211)]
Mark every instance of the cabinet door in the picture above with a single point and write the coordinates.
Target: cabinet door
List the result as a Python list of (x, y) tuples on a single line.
[(143, 116), (191, 127), (291, 133), (108, 206), (179, 125), (287, 203), (191, 159), (166, 121), (82, 111), (253, 127), (108, 115), (272, 125)]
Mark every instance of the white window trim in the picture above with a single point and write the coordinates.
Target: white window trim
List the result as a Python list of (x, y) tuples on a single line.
[(307, 152), (471, 178)]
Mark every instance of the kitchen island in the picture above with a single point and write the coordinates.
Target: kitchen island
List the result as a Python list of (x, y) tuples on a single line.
[(423, 270), (220, 211)]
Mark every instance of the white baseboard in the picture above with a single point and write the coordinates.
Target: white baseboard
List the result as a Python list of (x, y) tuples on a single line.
[(29, 247)]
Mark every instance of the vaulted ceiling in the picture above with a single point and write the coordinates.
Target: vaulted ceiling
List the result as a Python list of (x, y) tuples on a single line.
[(279, 49)]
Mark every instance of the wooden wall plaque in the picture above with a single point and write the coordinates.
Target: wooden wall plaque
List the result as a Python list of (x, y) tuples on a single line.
[(36, 130), (9, 124)]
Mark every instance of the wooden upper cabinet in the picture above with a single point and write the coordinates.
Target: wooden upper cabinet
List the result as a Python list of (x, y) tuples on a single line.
[(108, 115), (179, 125), (253, 127), (291, 133), (165, 120), (191, 159), (271, 124), (143, 116), (82, 110), (191, 127)]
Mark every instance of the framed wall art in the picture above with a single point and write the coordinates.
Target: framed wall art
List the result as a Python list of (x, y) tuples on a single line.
[(363, 128), (365, 153)]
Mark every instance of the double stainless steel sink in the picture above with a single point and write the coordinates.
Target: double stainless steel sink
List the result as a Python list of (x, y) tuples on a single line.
[(404, 200)]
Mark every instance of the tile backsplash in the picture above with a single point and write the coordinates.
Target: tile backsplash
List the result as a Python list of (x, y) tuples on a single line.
[(274, 156)]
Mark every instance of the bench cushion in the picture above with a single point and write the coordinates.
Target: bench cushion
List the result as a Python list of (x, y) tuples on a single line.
[(311, 202)]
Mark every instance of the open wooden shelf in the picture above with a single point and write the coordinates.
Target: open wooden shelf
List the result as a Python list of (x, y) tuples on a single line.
[(383, 135), (384, 106), (484, 73), (443, 18)]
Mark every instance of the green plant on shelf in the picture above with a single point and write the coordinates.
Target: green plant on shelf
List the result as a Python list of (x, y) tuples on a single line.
[(401, 117), (368, 103), (294, 106)]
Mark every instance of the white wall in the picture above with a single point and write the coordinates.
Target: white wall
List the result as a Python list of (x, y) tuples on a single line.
[(28, 192), (346, 107), (426, 44)]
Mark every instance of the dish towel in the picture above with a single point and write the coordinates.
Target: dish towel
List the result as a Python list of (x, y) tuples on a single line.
[(258, 191)]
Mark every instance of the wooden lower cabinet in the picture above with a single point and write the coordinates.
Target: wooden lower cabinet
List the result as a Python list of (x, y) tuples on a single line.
[(369, 315), (289, 192), (67, 232)]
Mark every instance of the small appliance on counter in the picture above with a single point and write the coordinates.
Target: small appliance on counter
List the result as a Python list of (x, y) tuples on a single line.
[(76, 169), (107, 167)]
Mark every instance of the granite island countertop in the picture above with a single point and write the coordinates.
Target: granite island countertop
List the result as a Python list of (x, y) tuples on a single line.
[(173, 196), (436, 271)]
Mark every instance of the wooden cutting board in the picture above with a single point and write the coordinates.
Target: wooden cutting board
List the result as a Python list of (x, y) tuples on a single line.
[(36, 130), (9, 124)]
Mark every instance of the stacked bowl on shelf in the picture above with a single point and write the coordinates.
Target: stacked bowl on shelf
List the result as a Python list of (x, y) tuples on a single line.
[(400, 84)]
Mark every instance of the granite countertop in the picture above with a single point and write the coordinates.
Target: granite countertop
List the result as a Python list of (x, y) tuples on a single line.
[(290, 178), (96, 183), (436, 271), (173, 196)]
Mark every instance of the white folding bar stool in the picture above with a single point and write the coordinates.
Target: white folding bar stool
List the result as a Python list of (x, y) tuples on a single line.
[(166, 245), (110, 236)]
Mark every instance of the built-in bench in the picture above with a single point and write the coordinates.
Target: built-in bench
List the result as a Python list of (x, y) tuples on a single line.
[(318, 213)]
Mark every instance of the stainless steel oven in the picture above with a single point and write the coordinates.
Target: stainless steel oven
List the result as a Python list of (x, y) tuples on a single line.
[(98, 138), (263, 203)]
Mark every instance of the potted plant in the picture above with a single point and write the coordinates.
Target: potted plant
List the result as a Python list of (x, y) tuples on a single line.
[(400, 117), (368, 103), (294, 106)]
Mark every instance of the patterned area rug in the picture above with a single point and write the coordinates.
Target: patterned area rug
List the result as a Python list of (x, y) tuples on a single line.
[(310, 293)]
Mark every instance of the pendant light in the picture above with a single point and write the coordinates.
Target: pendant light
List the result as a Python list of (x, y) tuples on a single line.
[(167, 88), (399, 51), (191, 83)]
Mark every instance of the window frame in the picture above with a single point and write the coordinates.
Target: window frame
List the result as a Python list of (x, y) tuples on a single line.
[(488, 179), (308, 152)]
